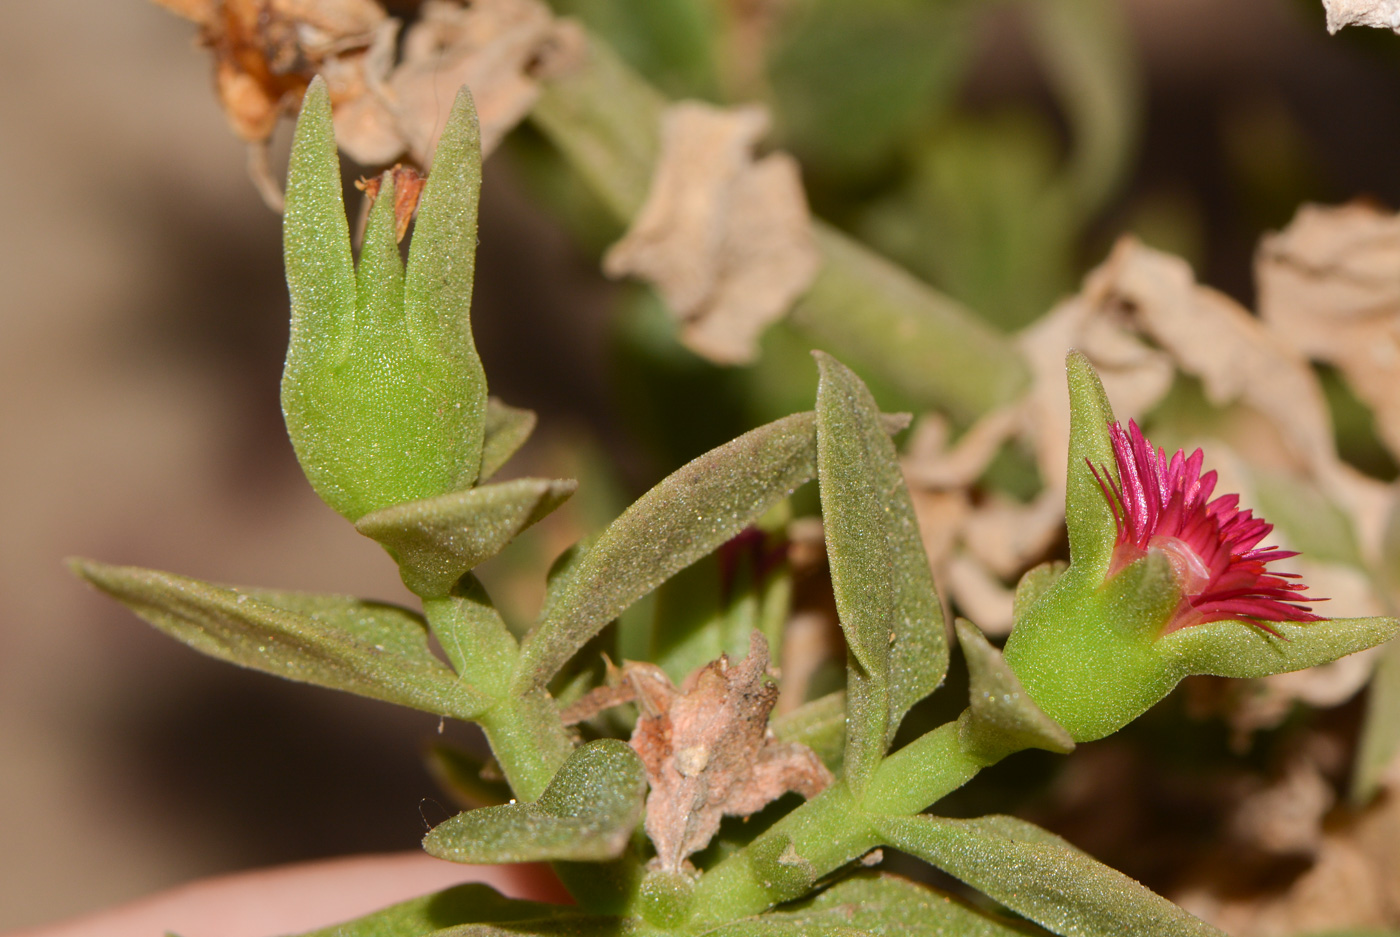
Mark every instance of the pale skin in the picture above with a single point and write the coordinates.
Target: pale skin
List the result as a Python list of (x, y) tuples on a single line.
[(296, 898)]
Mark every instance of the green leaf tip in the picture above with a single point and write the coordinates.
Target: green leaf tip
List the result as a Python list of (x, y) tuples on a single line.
[(383, 392), (365, 648), (586, 813), (884, 590), (437, 540), (1001, 717), (1092, 531)]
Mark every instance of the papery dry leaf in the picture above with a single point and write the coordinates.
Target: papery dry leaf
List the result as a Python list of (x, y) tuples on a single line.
[(1329, 285), (1383, 14), (726, 240), (706, 748), (930, 461), (491, 46), (982, 597)]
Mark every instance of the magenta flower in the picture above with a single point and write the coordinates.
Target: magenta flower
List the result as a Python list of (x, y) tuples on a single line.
[(1165, 505)]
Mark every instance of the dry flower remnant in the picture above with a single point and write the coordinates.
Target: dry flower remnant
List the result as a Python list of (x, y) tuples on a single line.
[(706, 748), (725, 239), (1161, 504), (408, 188)]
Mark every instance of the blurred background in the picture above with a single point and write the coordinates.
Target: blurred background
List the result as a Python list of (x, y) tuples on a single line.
[(145, 318)]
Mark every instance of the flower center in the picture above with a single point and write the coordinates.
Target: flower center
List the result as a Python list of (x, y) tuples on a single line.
[(1190, 569)]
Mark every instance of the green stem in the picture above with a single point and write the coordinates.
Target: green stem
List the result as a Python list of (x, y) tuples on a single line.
[(605, 119), (829, 831), (525, 733)]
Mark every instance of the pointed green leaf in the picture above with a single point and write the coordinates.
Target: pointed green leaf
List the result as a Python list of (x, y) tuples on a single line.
[(315, 234), (1092, 531), (587, 813), (1001, 717), (889, 611), (436, 540), (687, 515), (438, 284), (820, 725), (1039, 875), (463, 904), (874, 903), (506, 430), (368, 652), (1240, 649)]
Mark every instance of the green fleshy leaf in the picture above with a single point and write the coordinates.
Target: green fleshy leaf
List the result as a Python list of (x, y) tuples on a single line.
[(506, 430), (1034, 584), (820, 725), (1001, 717), (436, 540), (383, 393), (1240, 649), (1041, 876), (690, 513), (871, 903), (889, 611), (1092, 532), (367, 651), (587, 813), (452, 907)]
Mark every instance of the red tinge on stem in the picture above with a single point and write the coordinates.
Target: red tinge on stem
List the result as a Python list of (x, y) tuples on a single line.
[(1161, 504)]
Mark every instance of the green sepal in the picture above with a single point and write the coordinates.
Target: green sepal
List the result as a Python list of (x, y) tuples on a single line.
[(1085, 652), (587, 812), (1039, 875), (687, 515), (1244, 650), (436, 540), (383, 393), (506, 430), (1092, 531), (888, 609), (364, 648), (873, 903), (1001, 717), (1034, 584), (461, 907)]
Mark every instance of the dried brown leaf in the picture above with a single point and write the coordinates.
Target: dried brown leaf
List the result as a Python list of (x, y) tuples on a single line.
[(706, 747), (489, 46), (725, 239), (1329, 284), (1383, 14)]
